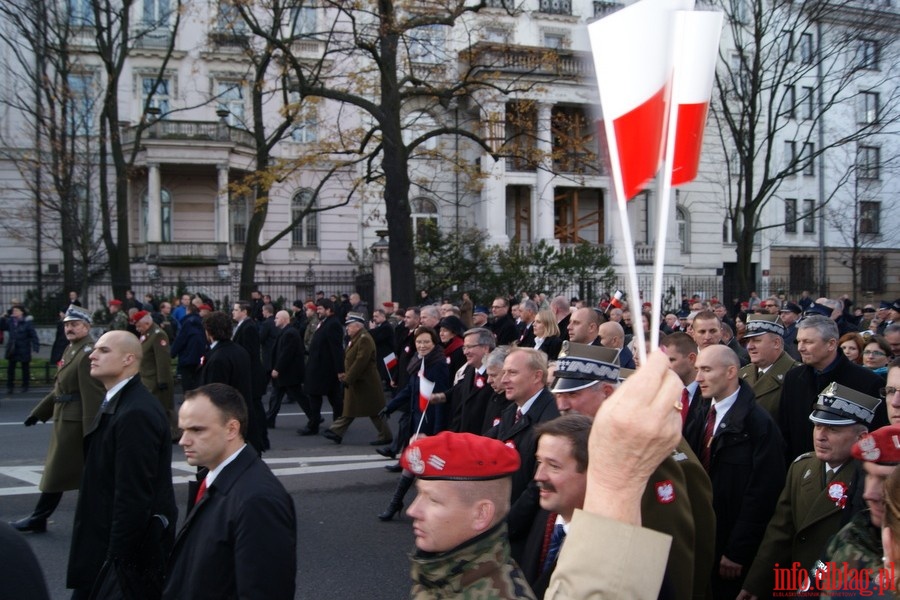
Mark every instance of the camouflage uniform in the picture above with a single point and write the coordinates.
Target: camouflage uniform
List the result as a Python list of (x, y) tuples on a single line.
[(119, 322), (480, 568), (859, 545)]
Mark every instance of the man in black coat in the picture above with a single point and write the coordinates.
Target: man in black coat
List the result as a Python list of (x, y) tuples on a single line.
[(383, 335), (326, 362), (470, 397), (287, 367), (126, 514), (823, 363), (239, 538), (189, 347), (525, 382), (226, 362), (246, 334), (503, 325), (742, 450), (268, 333)]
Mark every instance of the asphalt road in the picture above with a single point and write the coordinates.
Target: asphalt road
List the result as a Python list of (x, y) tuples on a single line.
[(344, 551)]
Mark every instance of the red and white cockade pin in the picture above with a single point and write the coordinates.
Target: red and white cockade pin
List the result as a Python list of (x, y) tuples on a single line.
[(665, 492), (837, 491)]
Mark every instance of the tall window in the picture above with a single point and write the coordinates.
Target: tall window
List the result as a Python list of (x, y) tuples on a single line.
[(305, 233), (807, 104), (789, 104), (165, 214), (303, 21), (870, 217), (790, 153), (868, 159), (868, 107), (867, 54), (683, 219), (806, 158), (790, 215), (809, 216), (787, 40), (872, 274), (230, 97), (806, 48), (801, 273), (239, 217), (80, 104), (159, 99), (81, 13), (156, 13), (427, 44), (423, 213)]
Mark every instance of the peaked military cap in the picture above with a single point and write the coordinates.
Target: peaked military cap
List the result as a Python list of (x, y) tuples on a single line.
[(818, 309), (355, 317), (580, 366), (765, 323), (841, 405), (791, 307), (76, 313)]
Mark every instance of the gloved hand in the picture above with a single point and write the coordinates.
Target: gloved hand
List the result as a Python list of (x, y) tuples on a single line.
[(32, 420), (384, 414)]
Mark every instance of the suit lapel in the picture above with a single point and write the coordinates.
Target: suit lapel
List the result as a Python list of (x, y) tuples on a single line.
[(824, 504)]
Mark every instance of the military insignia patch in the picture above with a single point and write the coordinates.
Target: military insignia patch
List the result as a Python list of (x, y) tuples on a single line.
[(869, 448), (665, 492), (416, 464)]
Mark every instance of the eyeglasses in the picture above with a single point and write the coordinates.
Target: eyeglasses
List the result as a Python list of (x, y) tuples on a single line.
[(771, 305), (888, 391), (472, 347), (873, 353)]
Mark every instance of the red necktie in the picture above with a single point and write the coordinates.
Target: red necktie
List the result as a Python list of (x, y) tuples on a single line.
[(685, 405), (201, 491), (705, 451), (518, 416)]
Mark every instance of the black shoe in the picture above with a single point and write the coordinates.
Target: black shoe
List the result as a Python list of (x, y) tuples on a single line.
[(308, 431), (386, 452), (332, 436), (396, 468), (381, 442), (30, 524)]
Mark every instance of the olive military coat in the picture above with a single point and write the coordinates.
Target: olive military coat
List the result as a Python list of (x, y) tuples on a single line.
[(767, 386), (363, 395)]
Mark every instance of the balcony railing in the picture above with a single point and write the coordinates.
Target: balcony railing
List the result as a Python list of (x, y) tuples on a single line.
[(152, 35), (187, 253), (486, 56), (164, 129), (556, 7), (603, 8)]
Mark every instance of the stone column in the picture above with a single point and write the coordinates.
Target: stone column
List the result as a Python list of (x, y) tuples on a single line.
[(154, 204), (381, 269), (221, 210), (493, 191), (542, 210)]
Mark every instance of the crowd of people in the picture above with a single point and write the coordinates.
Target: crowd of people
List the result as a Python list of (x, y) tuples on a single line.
[(788, 413)]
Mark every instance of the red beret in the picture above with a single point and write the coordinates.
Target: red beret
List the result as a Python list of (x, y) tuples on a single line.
[(311, 305), (388, 304), (460, 456), (139, 315), (204, 307), (882, 446), (115, 302)]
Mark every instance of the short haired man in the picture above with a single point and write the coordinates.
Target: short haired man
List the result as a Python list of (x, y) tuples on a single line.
[(469, 397), (561, 477), (287, 367), (246, 317), (503, 325), (430, 316), (189, 347), (681, 349), (72, 404), (324, 368), (891, 393), (707, 331), (678, 498), (156, 366), (790, 314), (561, 308), (118, 318), (892, 335), (524, 382), (821, 491), (744, 491), (823, 363), (584, 326), (126, 512), (769, 362), (528, 309), (238, 539), (611, 335), (858, 544), (459, 518)]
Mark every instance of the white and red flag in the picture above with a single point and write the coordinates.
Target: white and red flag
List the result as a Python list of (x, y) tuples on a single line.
[(632, 51), (696, 52), (390, 361)]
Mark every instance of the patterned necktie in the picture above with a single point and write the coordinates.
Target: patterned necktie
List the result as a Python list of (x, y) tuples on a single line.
[(201, 491), (705, 451), (685, 405), (518, 416), (556, 541)]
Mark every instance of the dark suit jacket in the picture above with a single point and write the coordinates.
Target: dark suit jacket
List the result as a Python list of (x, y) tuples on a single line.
[(505, 329), (564, 327), (747, 472), (326, 358), (524, 495), (526, 338), (268, 334), (535, 551), (287, 358), (468, 403), (239, 541), (800, 392), (551, 347), (247, 336), (127, 479), (227, 363)]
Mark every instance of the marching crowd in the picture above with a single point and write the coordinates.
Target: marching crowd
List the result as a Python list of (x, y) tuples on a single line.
[(547, 457)]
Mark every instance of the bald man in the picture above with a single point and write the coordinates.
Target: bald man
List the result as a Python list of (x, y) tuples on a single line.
[(584, 326), (742, 450), (126, 509), (613, 336)]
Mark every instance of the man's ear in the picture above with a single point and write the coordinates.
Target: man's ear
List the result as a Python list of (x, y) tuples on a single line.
[(483, 518)]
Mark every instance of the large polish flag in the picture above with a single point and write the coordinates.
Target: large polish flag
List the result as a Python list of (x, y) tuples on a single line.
[(632, 51), (696, 52)]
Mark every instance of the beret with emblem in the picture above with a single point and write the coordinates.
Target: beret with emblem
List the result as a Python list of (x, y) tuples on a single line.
[(310, 305), (841, 405), (76, 313), (139, 315), (881, 446), (355, 317), (764, 323), (115, 302), (580, 366), (460, 457)]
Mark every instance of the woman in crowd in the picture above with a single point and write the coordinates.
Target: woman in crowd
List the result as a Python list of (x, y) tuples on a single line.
[(546, 334), (431, 364), (852, 345), (877, 355), (450, 330)]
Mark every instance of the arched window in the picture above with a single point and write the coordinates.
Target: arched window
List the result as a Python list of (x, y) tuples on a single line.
[(306, 232), (165, 215), (683, 219), (422, 212)]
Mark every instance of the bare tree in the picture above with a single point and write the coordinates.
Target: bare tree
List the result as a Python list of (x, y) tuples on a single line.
[(786, 95)]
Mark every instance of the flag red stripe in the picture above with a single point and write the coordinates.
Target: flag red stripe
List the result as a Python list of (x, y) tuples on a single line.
[(688, 141), (639, 137), (423, 402)]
